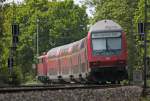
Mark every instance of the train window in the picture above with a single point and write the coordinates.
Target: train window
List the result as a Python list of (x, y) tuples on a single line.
[(114, 43), (82, 44), (99, 44), (52, 56), (53, 53), (106, 34), (70, 50), (105, 45), (63, 51), (40, 60), (75, 48)]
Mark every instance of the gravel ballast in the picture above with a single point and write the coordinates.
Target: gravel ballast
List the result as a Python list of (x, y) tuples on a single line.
[(127, 93)]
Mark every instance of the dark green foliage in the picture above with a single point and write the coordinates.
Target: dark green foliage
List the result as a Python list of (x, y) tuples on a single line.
[(59, 23), (68, 23), (3, 76), (3, 72), (16, 77), (13, 78)]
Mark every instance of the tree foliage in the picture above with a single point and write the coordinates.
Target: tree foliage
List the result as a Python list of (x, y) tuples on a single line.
[(59, 23)]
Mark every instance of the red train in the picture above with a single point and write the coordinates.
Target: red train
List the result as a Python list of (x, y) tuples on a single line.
[(99, 57)]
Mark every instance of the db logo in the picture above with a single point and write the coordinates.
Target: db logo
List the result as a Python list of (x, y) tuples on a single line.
[(107, 58)]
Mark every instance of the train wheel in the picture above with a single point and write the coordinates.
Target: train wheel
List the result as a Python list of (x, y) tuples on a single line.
[(81, 79)]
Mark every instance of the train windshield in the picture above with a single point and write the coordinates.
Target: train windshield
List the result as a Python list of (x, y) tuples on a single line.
[(106, 43)]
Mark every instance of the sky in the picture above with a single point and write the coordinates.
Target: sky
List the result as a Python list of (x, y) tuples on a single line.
[(88, 11)]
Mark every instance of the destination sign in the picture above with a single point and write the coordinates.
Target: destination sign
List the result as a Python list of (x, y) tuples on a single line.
[(102, 35)]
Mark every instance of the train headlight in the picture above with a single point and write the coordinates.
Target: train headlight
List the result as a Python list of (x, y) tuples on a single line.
[(121, 62), (126, 67), (94, 64)]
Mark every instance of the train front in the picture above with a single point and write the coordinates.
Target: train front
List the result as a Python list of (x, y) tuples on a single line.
[(107, 52)]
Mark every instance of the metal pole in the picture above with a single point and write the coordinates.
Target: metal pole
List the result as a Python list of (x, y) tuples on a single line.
[(37, 36), (145, 45), (1, 30), (13, 12), (132, 45), (11, 48)]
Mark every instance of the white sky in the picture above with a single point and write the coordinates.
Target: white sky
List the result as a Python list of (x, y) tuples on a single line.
[(88, 11)]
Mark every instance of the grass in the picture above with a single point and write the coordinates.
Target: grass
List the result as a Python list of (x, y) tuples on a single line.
[(145, 99)]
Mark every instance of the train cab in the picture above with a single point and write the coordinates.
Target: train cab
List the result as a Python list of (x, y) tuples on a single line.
[(107, 53)]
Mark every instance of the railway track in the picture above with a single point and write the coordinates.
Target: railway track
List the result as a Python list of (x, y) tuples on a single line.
[(146, 92), (54, 87)]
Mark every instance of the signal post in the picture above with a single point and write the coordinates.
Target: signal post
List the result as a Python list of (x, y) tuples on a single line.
[(143, 29), (15, 40)]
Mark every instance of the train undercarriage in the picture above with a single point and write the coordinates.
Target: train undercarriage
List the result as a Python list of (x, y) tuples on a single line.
[(96, 75), (108, 74)]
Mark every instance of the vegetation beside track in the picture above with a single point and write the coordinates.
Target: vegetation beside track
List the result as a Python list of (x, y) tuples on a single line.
[(145, 99)]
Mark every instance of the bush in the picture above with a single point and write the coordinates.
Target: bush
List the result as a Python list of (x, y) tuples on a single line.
[(4, 76), (29, 78), (16, 77)]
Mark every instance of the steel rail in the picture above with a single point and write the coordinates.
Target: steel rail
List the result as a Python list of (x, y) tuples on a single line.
[(59, 87)]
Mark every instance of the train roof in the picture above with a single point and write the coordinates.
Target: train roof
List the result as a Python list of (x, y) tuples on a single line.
[(105, 25), (65, 48)]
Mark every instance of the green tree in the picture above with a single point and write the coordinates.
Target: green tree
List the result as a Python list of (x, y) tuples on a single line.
[(4, 75), (140, 17), (68, 23), (60, 22), (1, 27)]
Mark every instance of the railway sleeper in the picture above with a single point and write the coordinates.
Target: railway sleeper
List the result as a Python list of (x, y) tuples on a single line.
[(61, 80)]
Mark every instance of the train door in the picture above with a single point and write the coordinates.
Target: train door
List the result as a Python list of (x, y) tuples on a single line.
[(83, 56), (44, 61), (40, 67)]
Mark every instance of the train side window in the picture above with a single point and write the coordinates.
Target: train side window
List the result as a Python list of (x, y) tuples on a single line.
[(70, 50), (61, 52), (75, 48), (40, 60), (82, 44), (65, 51)]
